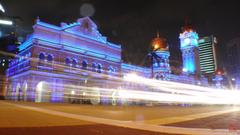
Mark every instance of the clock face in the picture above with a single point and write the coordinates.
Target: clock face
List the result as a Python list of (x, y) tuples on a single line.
[(187, 41)]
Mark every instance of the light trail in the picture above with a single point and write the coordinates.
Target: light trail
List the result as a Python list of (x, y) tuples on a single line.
[(136, 95), (154, 90)]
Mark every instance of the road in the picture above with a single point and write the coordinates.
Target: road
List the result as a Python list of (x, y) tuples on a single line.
[(42, 118)]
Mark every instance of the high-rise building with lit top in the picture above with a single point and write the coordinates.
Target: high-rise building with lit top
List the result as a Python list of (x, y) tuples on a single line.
[(207, 54)]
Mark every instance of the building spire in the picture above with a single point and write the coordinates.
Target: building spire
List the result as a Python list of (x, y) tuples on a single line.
[(158, 35), (187, 25), (37, 20)]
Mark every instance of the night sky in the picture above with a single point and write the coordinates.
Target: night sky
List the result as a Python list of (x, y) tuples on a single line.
[(134, 23)]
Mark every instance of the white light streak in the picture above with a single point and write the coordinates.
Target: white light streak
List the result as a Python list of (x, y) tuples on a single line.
[(1, 8), (6, 22)]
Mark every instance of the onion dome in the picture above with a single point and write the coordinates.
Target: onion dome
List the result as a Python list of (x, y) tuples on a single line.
[(159, 43)]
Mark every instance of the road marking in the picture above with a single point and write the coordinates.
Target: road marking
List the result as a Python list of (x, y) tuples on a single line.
[(171, 120), (132, 125)]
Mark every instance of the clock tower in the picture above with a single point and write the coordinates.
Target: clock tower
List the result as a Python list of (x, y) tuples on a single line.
[(189, 47)]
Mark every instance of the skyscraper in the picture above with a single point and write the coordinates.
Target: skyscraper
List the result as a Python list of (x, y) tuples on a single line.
[(207, 55)]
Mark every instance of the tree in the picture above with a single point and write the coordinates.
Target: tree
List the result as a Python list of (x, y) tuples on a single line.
[(8, 49), (9, 44)]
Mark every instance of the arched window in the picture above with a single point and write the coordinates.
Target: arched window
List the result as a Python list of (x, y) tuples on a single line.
[(24, 91), (94, 67), (74, 63), (67, 61), (84, 64), (41, 56), (110, 69), (41, 59), (99, 68), (49, 58)]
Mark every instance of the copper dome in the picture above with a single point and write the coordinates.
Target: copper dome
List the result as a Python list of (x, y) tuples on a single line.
[(159, 43)]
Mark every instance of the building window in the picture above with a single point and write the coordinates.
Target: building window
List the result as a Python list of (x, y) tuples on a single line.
[(50, 58), (99, 68), (67, 61), (74, 63), (110, 69), (94, 67), (41, 56), (84, 64), (41, 59)]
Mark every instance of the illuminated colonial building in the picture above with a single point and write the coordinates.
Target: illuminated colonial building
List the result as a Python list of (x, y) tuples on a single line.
[(58, 62), (53, 59)]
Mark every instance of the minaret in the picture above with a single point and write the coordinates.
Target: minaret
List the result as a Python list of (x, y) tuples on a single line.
[(189, 47), (160, 54)]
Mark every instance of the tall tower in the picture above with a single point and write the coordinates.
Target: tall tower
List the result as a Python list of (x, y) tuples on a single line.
[(160, 58), (189, 47)]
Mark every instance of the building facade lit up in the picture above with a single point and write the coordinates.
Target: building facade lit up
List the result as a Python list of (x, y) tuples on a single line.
[(56, 62), (207, 55), (190, 53)]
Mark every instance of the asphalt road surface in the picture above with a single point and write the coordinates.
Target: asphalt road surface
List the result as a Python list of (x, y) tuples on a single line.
[(47, 118)]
